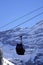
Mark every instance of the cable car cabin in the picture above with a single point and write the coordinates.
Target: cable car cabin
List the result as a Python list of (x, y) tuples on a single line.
[(19, 49)]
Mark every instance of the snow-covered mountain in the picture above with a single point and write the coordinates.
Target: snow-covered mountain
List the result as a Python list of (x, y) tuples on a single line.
[(32, 40)]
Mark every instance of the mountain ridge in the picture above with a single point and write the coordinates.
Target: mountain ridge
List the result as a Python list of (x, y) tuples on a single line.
[(12, 36)]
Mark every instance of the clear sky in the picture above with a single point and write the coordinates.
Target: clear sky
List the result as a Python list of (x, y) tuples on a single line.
[(12, 9)]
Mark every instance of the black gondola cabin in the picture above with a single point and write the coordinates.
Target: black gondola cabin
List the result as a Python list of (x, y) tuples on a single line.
[(20, 49)]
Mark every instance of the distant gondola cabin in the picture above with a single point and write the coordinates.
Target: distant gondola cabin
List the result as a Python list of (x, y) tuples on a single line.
[(19, 49)]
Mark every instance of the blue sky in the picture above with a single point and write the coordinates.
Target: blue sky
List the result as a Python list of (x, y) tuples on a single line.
[(12, 9)]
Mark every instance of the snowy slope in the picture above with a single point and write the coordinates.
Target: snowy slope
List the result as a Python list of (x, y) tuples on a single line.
[(32, 40), (6, 62)]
